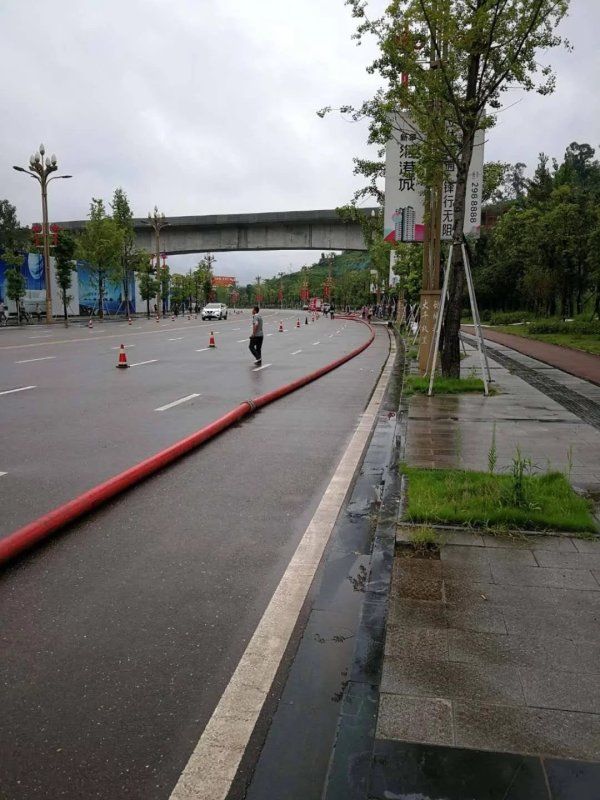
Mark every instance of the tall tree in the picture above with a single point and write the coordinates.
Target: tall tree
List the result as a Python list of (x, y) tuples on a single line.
[(101, 245), (460, 56), (64, 253), (15, 288), (123, 216), (13, 238)]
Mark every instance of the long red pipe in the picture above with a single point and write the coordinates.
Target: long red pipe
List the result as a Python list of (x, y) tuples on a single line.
[(24, 538)]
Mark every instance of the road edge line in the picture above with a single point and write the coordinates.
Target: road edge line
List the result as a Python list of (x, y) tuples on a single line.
[(212, 766)]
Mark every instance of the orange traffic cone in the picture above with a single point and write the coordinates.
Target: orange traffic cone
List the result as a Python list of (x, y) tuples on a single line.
[(281, 327), (211, 341), (122, 362), (298, 322), (90, 323)]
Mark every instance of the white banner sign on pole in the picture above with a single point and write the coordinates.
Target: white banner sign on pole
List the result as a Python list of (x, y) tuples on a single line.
[(404, 213)]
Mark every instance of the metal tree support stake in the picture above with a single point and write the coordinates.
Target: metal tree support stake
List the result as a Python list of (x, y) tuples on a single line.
[(485, 368)]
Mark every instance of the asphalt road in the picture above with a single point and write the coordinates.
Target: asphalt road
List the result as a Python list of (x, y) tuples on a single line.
[(83, 420), (118, 637)]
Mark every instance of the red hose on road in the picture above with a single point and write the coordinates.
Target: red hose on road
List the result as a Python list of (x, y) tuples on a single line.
[(22, 539)]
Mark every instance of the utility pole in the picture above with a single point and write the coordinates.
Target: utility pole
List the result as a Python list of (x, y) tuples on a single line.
[(432, 244)]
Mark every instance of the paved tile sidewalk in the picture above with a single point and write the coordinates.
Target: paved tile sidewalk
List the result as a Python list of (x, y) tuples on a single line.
[(492, 655)]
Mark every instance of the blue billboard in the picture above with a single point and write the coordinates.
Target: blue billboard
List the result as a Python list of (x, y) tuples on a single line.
[(114, 294), (32, 269)]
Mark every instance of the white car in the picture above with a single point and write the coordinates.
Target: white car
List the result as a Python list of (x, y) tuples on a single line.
[(214, 311)]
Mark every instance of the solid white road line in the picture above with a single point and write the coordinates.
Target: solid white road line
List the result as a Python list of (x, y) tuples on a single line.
[(202, 349), (295, 353), (264, 366), (22, 389), (140, 363), (177, 402), (213, 764), (243, 340), (29, 360)]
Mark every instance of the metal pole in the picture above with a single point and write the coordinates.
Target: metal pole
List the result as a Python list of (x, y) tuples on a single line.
[(439, 320), (478, 333), (158, 274), (47, 276)]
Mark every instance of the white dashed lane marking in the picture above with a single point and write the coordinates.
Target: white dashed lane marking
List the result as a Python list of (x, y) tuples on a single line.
[(295, 353), (177, 402), (264, 366), (126, 346), (242, 340), (21, 389), (141, 363), (29, 360)]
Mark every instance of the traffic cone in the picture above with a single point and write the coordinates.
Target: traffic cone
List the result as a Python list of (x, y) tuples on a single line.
[(298, 322), (129, 320), (90, 323), (211, 341), (122, 362), (281, 327)]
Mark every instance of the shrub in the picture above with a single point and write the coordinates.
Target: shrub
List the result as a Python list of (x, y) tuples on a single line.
[(509, 317), (560, 326)]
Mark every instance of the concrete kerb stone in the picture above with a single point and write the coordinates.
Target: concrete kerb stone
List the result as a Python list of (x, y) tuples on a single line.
[(350, 762)]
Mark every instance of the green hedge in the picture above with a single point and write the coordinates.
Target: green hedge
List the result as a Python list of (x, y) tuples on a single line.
[(560, 326), (509, 317)]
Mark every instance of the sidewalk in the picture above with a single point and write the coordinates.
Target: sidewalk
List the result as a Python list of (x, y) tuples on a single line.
[(489, 685), (575, 362)]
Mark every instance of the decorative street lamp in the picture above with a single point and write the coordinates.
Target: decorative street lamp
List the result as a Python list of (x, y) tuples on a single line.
[(40, 169), (158, 222)]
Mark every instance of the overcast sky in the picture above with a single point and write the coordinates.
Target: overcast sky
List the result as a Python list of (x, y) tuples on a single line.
[(208, 106)]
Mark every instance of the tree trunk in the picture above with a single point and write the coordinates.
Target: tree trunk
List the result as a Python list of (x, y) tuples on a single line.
[(126, 292), (450, 354), (101, 297)]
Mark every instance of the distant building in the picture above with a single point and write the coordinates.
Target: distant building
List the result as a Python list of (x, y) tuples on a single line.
[(408, 225), (404, 224)]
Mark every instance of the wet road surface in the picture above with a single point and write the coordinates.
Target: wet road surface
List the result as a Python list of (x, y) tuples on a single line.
[(119, 636), (82, 421)]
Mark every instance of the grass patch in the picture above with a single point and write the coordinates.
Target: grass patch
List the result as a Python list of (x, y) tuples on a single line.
[(415, 384), (588, 342), (483, 500)]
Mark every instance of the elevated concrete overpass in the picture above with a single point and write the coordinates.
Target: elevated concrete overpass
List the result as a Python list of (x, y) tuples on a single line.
[(277, 230)]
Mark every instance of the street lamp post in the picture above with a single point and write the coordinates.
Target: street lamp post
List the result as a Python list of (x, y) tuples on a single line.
[(158, 222), (40, 169)]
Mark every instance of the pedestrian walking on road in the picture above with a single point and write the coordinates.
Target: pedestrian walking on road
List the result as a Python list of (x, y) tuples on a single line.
[(256, 338)]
